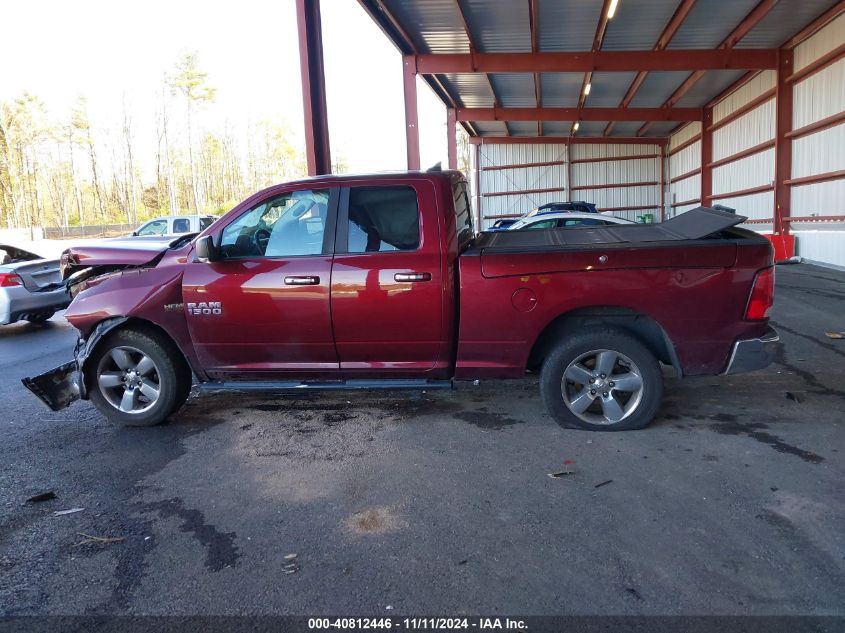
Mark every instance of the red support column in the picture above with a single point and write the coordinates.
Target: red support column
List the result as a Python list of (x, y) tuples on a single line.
[(477, 188), (706, 158), (783, 144), (662, 215), (451, 138), (412, 130), (317, 152)]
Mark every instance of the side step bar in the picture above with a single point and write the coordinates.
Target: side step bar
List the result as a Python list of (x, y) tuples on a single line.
[(324, 385)]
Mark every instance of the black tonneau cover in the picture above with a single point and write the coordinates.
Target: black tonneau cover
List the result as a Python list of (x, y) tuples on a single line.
[(692, 225)]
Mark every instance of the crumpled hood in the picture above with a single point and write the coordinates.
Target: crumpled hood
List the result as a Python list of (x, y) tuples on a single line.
[(119, 252)]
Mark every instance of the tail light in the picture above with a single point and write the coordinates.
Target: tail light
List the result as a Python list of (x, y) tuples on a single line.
[(10, 279), (762, 296)]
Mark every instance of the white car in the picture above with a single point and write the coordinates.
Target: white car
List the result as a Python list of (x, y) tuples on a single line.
[(174, 225), (30, 287), (566, 219)]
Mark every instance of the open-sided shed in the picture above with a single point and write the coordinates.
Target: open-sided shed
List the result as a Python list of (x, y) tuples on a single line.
[(646, 107)]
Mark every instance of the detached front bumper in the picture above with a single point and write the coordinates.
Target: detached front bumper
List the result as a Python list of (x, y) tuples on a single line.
[(57, 388), (753, 353)]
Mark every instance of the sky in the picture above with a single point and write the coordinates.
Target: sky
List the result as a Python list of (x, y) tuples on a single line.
[(114, 51)]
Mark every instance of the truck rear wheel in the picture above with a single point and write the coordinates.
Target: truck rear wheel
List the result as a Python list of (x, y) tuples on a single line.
[(137, 379), (602, 379)]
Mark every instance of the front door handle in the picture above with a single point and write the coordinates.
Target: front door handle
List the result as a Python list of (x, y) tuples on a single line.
[(302, 280), (412, 276)]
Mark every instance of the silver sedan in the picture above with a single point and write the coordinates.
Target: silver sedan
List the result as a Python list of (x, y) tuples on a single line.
[(29, 286)]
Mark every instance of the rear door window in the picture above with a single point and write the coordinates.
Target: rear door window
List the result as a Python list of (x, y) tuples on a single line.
[(181, 225), (156, 227), (383, 219)]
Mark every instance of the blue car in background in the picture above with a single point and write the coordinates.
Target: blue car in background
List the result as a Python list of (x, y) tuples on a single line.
[(551, 207)]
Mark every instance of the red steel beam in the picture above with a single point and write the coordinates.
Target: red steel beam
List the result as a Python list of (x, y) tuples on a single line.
[(451, 138), (582, 114), (535, 47), (739, 83), (685, 175), (662, 42), (783, 144), (813, 27), (317, 149), (566, 140), (816, 178), (706, 158), (412, 130), (618, 185), (816, 218), (548, 163), (598, 40), (662, 184), (520, 192), (684, 203), (598, 61), (817, 126), (739, 193), (608, 159)]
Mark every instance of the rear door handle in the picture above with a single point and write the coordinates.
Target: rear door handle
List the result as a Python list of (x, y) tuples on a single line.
[(302, 280), (412, 276)]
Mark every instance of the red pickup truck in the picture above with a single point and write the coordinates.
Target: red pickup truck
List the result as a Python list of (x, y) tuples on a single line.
[(380, 281)]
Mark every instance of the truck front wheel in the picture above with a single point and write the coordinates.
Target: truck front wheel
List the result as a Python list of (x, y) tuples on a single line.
[(601, 379), (137, 379)]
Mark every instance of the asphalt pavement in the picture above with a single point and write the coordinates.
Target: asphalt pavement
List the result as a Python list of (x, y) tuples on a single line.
[(437, 503)]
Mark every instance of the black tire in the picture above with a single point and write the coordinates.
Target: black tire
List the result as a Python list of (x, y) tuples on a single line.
[(573, 347), (40, 317), (173, 374)]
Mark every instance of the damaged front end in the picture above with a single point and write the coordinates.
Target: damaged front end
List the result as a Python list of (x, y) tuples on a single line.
[(62, 386)]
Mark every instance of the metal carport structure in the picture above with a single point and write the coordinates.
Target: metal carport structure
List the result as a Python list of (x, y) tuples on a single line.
[(645, 105)]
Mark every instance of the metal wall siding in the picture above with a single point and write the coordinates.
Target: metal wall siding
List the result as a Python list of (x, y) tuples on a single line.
[(683, 209), (501, 180), (746, 94), (757, 206), (616, 172), (504, 154), (686, 189), (684, 134), (820, 95), (502, 206), (686, 160), (821, 246), (624, 197), (822, 42), (752, 171), (499, 27), (824, 198), (752, 128), (820, 152)]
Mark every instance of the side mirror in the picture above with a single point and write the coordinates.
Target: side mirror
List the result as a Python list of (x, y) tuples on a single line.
[(204, 250), (134, 233)]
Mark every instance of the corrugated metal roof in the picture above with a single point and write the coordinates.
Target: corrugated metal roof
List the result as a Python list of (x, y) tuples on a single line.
[(556, 128), (637, 24), (490, 128), (626, 128), (657, 87), (566, 25), (560, 90), (783, 21), (522, 128), (473, 89), (661, 128), (498, 27), (434, 25), (608, 89), (591, 128), (514, 90), (710, 22), (710, 85)]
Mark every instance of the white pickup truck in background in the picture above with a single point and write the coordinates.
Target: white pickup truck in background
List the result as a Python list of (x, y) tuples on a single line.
[(174, 225)]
